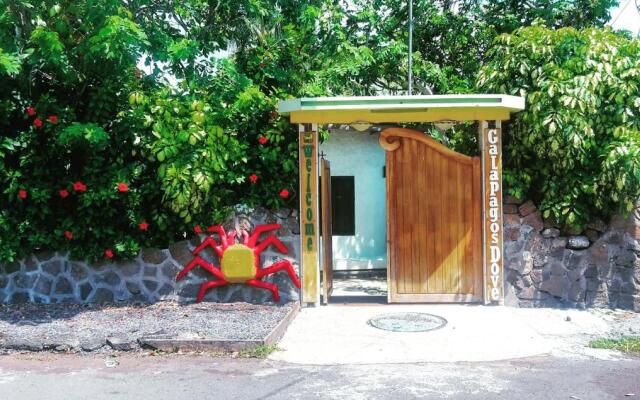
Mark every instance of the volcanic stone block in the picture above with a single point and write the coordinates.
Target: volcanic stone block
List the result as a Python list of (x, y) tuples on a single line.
[(181, 253), (30, 264), (592, 234), (153, 256), (121, 343), (534, 220), (24, 343), (129, 269), (512, 233), (78, 272), (24, 281), (578, 290), (531, 293), (169, 270), (92, 343), (629, 288), (53, 267), (43, 285), (627, 258), (578, 242), (102, 295), (629, 302), (597, 299), (166, 290), (512, 200), (108, 277), (150, 285), (62, 286), (527, 208), (551, 233), (557, 269), (19, 297), (510, 209), (133, 288), (85, 291), (598, 225), (189, 290), (511, 219), (557, 286)]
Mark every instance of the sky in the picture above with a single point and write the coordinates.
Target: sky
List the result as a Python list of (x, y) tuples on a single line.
[(626, 16)]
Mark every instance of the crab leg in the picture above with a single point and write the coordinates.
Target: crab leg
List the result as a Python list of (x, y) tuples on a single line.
[(209, 241), (259, 230), (283, 265), (270, 240), (219, 229), (265, 285), (199, 262), (245, 237), (209, 285)]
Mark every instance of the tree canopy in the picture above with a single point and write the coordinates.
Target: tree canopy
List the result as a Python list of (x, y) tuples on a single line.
[(130, 122)]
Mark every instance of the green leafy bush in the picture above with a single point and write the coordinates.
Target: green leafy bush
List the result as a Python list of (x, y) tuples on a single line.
[(575, 149), (98, 159)]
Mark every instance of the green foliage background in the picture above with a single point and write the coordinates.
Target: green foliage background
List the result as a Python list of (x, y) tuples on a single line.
[(575, 147), (173, 99)]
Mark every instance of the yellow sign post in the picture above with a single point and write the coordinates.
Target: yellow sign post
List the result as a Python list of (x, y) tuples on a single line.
[(308, 139)]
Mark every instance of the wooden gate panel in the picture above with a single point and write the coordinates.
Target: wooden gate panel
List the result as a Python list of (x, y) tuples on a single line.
[(434, 220)]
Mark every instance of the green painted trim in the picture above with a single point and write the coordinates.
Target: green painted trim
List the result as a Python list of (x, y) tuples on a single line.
[(396, 102)]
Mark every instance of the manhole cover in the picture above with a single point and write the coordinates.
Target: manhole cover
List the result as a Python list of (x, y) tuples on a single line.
[(408, 322)]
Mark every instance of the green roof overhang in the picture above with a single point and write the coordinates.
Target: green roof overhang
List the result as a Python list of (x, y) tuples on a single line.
[(398, 109)]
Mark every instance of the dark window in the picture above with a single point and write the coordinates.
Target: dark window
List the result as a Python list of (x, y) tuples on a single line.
[(343, 202)]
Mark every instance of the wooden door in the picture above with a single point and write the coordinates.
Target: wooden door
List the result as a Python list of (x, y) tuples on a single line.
[(434, 220), (327, 249)]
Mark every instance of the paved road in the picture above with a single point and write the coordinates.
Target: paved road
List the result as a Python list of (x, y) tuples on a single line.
[(55, 377)]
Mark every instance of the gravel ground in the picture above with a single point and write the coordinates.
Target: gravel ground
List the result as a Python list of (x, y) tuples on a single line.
[(621, 322), (71, 327)]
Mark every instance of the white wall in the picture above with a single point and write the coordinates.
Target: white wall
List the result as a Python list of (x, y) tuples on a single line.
[(358, 154)]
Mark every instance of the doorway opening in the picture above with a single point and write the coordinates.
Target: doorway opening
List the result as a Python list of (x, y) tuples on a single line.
[(353, 212)]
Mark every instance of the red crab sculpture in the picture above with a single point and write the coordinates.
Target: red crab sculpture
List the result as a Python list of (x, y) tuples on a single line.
[(240, 262)]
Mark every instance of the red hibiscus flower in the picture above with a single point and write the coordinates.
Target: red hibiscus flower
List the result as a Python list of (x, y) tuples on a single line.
[(284, 193), (262, 139), (211, 229), (108, 253), (37, 123), (197, 229), (53, 119), (79, 187), (123, 187), (253, 178), (63, 193), (22, 194), (31, 111), (143, 226), (68, 235)]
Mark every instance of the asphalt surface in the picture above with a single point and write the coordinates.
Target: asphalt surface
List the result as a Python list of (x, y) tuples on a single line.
[(68, 377)]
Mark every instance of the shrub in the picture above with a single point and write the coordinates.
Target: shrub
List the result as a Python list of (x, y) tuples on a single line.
[(98, 159), (576, 147)]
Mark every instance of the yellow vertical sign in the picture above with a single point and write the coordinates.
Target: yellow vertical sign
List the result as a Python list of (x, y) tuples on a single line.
[(308, 157), (492, 205)]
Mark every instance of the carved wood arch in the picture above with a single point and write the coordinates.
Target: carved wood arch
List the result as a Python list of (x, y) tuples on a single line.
[(389, 140)]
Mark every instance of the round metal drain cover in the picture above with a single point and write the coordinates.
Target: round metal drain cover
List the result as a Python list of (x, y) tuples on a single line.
[(408, 322)]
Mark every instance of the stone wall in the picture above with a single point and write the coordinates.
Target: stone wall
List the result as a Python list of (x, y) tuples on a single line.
[(49, 277), (546, 267)]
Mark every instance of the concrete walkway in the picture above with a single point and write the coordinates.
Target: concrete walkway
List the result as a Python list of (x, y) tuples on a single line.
[(341, 335)]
